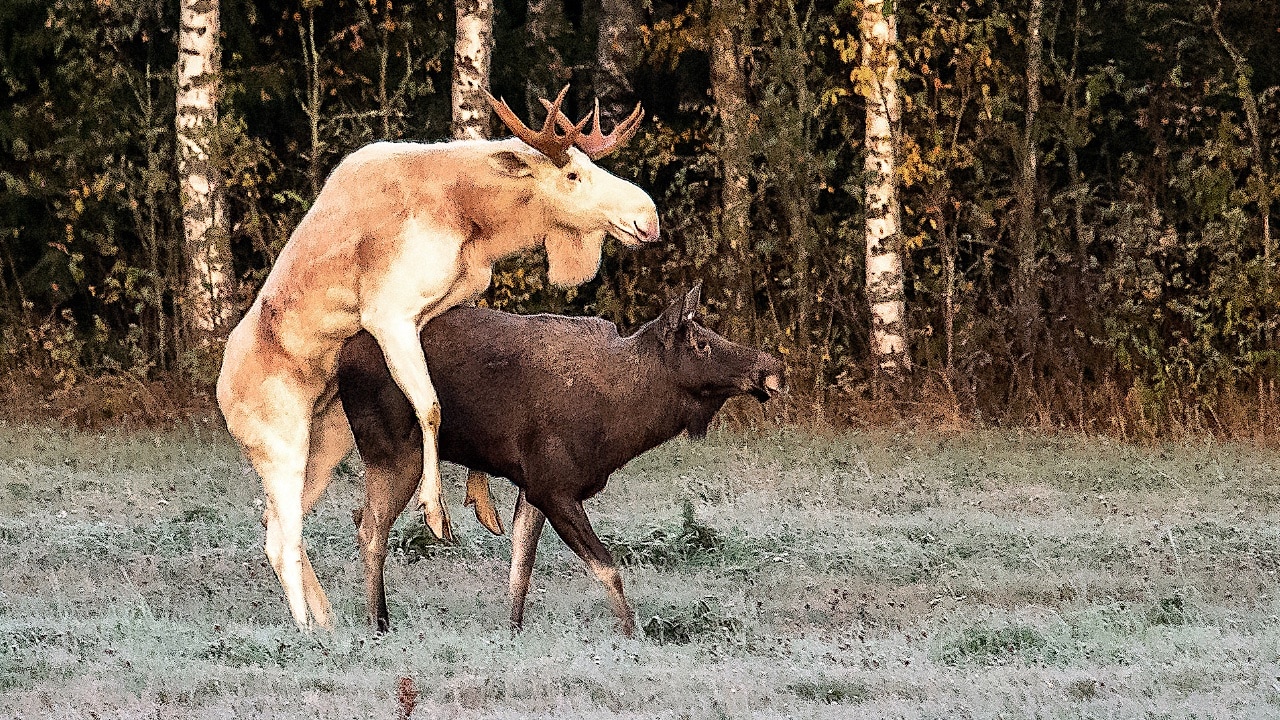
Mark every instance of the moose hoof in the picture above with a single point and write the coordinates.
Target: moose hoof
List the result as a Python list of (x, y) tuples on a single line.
[(437, 519), (479, 497)]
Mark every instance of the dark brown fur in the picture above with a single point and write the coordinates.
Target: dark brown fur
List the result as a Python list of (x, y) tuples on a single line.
[(555, 404)]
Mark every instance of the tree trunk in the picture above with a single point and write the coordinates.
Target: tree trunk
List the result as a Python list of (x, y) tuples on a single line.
[(1078, 120), (547, 71), (1025, 287), (1242, 71), (471, 53), (729, 93), (312, 99), (617, 56), (885, 290), (207, 305)]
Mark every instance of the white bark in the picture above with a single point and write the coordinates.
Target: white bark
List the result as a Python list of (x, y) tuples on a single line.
[(209, 286), (885, 293), (471, 54)]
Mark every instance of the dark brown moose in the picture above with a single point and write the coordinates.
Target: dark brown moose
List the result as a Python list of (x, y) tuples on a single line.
[(555, 404)]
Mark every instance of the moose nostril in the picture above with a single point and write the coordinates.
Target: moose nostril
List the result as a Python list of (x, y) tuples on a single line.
[(647, 230), (772, 383)]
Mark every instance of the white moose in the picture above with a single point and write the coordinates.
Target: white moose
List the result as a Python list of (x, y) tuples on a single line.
[(399, 233)]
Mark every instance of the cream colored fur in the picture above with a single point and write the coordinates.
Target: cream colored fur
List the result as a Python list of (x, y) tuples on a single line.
[(400, 233)]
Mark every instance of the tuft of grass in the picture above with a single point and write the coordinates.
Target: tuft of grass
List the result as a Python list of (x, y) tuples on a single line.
[(275, 647), (416, 542), (830, 690), (681, 625), (981, 645), (1083, 689), (412, 541), (1171, 611), (691, 542)]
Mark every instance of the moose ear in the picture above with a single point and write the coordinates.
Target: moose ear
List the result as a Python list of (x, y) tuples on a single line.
[(691, 301), (510, 164), (671, 319)]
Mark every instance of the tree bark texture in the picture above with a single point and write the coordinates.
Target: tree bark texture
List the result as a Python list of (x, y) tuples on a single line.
[(547, 71), (729, 93), (618, 53), (1026, 286), (472, 51), (208, 302), (885, 289)]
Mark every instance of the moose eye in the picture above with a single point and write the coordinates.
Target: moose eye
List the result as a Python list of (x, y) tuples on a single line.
[(702, 347)]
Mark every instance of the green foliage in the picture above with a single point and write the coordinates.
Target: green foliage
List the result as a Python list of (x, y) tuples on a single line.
[(416, 542), (259, 650), (1169, 611), (831, 690), (983, 645), (666, 546), (707, 619), (1158, 158)]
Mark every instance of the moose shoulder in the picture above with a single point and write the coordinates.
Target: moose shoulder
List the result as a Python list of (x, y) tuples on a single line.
[(554, 404)]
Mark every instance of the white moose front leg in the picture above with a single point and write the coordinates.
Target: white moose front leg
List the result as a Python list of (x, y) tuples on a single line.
[(403, 351)]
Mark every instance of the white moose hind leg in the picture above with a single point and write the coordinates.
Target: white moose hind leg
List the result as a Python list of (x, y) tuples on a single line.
[(331, 441), (403, 353), (282, 466)]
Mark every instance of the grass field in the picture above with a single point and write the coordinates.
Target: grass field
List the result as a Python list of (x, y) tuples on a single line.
[(778, 575)]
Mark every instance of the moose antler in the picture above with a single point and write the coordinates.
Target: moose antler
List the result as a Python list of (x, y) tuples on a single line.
[(596, 144), (546, 141)]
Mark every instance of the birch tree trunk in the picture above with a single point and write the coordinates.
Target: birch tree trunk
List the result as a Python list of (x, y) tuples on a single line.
[(885, 290), (729, 93), (617, 56), (208, 302), (471, 54)]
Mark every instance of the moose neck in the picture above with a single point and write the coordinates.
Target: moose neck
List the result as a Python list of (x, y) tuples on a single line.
[(504, 220), (653, 408)]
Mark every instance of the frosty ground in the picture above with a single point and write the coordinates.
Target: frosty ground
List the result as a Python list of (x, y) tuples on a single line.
[(774, 573)]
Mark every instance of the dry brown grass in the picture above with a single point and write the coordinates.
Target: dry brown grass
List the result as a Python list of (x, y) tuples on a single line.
[(112, 401)]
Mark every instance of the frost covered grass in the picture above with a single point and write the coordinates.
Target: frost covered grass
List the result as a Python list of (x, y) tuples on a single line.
[(781, 574)]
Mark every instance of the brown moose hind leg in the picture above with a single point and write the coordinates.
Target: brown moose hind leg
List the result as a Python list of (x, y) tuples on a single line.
[(388, 487), (372, 530), (481, 497)]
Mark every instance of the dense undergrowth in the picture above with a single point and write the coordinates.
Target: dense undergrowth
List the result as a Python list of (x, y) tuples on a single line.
[(1127, 286)]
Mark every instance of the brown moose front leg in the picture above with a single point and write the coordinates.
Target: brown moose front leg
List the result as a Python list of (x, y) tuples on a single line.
[(571, 523), (526, 528)]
